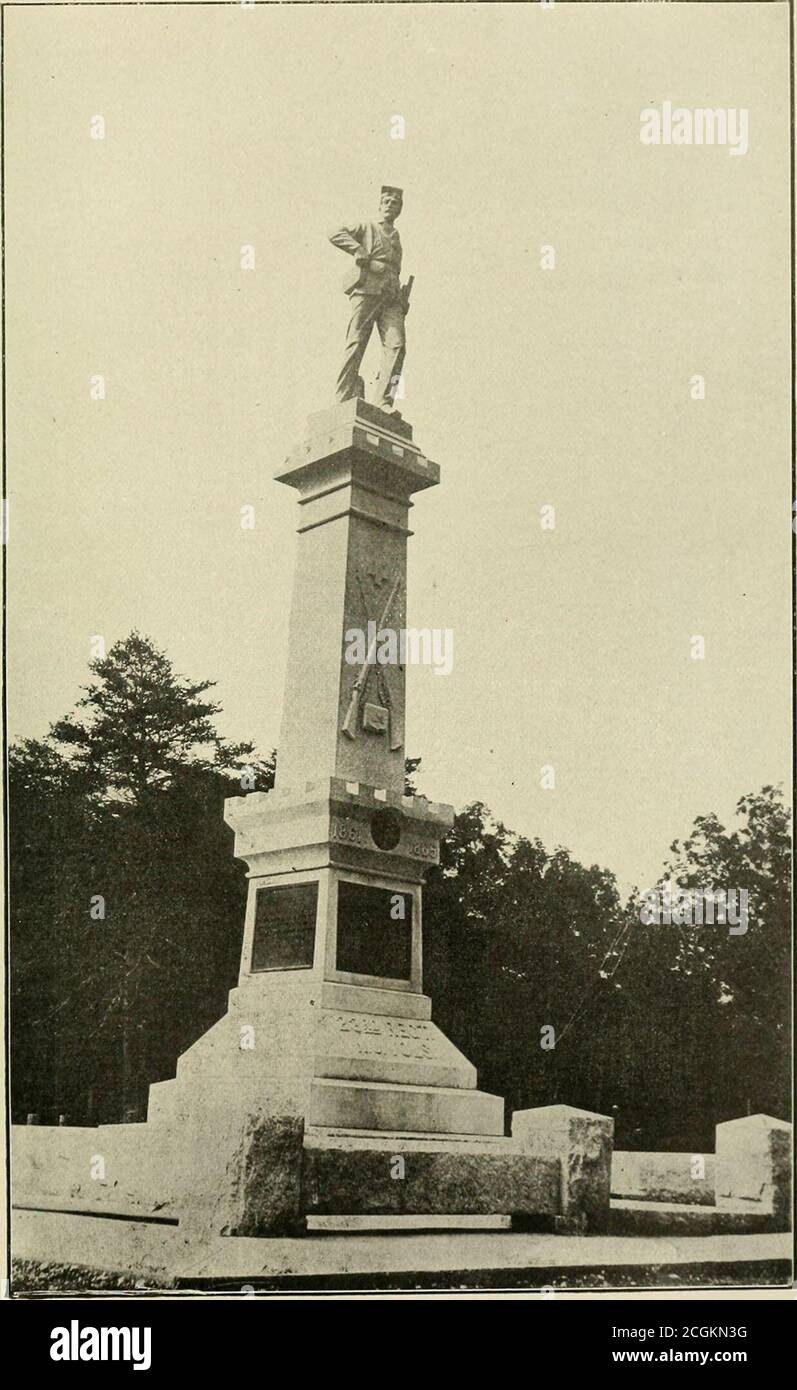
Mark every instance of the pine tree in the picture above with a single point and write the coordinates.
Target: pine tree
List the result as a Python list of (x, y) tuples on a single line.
[(143, 724)]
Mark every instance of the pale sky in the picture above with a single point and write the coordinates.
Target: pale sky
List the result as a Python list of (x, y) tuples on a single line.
[(228, 126)]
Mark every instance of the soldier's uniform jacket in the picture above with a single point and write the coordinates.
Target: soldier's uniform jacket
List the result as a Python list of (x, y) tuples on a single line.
[(381, 242)]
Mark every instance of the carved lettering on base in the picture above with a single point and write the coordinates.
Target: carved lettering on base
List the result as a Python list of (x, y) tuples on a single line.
[(385, 1037)]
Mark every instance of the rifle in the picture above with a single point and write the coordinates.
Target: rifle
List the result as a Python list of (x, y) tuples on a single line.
[(350, 722), (405, 294)]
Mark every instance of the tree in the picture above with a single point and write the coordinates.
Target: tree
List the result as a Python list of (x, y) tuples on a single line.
[(53, 835), (144, 723), (127, 904), (748, 973), (518, 950), (699, 1026), (411, 766), (670, 1029)]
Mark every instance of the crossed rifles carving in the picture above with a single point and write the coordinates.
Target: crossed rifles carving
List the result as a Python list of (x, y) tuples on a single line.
[(352, 720)]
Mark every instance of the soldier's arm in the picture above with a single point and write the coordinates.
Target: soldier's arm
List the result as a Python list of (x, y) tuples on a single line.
[(350, 240)]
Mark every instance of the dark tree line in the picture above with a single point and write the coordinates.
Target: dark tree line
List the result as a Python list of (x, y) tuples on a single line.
[(127, 917)]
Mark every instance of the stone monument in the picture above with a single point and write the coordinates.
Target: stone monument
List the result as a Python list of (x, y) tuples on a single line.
[(326, 1091), (327, 1068)]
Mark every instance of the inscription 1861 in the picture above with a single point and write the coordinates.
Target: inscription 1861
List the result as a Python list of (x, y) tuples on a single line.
[(353, 832)]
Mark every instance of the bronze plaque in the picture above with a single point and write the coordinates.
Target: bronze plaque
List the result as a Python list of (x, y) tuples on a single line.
[(374, 931), (285, 918)]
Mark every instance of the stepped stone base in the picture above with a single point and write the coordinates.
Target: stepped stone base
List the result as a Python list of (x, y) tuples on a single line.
[(301, 1099), (375, 1105), (354, 1104), (336, 1055)]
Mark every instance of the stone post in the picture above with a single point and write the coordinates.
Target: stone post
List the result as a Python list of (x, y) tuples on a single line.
[(242, 1173), (582, 1142), (753, 1166)]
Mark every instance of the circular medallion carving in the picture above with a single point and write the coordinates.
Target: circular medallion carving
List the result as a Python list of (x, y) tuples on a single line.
[(386, 827)]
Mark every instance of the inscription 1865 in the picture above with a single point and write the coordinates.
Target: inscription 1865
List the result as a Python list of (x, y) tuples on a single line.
[(353, 832)]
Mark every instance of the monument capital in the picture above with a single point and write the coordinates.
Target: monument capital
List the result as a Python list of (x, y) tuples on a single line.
[(376, 447)]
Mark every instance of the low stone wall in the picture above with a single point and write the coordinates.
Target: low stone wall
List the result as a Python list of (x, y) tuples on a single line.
[(119, 1169), (751, 1172), (664, 1177), (237, 1171)]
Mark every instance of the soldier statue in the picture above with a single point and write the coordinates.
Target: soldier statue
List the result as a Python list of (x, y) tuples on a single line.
[(377, 297)]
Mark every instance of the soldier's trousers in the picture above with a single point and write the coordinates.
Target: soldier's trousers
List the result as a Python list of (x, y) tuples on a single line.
[(367, 310)]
